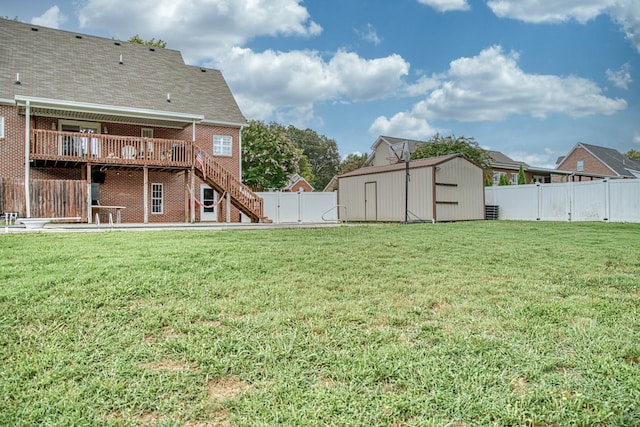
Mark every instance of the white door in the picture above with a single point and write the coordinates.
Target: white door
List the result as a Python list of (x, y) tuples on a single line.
[(208, 205)]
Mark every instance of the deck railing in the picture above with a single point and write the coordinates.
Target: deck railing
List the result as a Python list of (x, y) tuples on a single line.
[(109, 149)]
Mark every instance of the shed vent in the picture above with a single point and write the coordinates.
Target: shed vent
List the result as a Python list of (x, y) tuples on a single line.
[(116, 43), (78, 36), (152, 49), (34, 29)]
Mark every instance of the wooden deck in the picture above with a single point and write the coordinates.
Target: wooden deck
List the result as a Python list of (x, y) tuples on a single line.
[(62, 148), (72, 149)]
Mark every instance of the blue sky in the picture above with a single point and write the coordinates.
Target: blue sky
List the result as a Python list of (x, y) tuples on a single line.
[(529, 78)]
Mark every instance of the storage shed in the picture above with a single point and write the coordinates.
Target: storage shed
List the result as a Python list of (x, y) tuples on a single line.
[(444, 188)]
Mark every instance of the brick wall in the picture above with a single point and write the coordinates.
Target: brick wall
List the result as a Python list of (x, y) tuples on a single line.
[(12, 145), (591, 164)]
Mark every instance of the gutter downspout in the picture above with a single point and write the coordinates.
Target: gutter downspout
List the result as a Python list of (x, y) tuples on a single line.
[(27, 161), (239, 165), (192, 191)]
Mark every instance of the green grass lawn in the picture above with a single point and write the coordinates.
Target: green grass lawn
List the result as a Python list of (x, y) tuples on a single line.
[(464, 324)]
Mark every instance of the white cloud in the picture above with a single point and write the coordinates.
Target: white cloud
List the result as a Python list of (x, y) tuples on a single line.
[(491, 87), (423, 86), (370, 35), (404, 124), (446, 5), (636, 138), (199, 28), (547, 159), (625, 12), (268, 81), (52, 18), (537, 11), (620, 78)]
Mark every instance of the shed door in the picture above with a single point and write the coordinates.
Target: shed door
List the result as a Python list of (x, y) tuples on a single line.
[(370, 201)]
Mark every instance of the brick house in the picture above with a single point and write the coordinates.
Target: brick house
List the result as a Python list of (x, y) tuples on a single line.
[(607, 162), (90, 125), (296, 183)]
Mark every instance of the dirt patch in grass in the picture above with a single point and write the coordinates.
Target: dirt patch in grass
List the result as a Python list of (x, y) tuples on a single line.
[(164, 334), (520, 385), (226, 388), (218, 419), (169, 365), (216, 324)]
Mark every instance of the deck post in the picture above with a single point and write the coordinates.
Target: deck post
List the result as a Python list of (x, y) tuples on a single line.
[(145, 193), (193, 196), (89, 195), (27, 161)]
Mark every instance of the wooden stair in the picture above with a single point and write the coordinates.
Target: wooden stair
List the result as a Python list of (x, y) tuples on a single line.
[(221, 180)]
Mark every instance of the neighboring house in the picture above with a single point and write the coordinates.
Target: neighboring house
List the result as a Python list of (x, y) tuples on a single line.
[(382, 150), (607, 162), (297, 183), (331, 185), (502, 164), (87, 123), (445, 188)]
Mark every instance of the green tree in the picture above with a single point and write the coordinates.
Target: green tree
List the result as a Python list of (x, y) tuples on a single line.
[(322, 153), (442, 145), (352, 162), (504, 180), (522, 179), (159, 43), (633, 154), (305, 167), (268, 156)]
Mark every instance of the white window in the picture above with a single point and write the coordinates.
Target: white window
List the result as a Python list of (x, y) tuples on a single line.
[(1, 127), (222, 145), (514, 178), (157, 199), (580, 165), (496, 178)]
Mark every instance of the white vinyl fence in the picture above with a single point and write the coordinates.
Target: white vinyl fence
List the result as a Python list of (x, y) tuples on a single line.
[(300, 207), (607, 200)]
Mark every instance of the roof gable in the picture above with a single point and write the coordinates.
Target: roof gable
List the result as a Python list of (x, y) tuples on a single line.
[(609, 157), (62, 65)]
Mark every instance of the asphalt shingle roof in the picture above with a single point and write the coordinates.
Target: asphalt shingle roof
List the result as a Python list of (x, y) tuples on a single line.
[(67, 66), (613, 159)]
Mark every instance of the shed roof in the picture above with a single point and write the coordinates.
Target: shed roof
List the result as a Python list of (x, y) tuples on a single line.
[(420, 163), (61, 65)]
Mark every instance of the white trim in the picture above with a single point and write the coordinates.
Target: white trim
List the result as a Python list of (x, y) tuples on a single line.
[(240, 153), (27, 161), (1, 126), (222, 123), (5, 101), (84, 107)]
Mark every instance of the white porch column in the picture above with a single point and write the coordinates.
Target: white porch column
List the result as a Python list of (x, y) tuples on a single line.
[(145, 193), (193, 196), (27, 161)]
